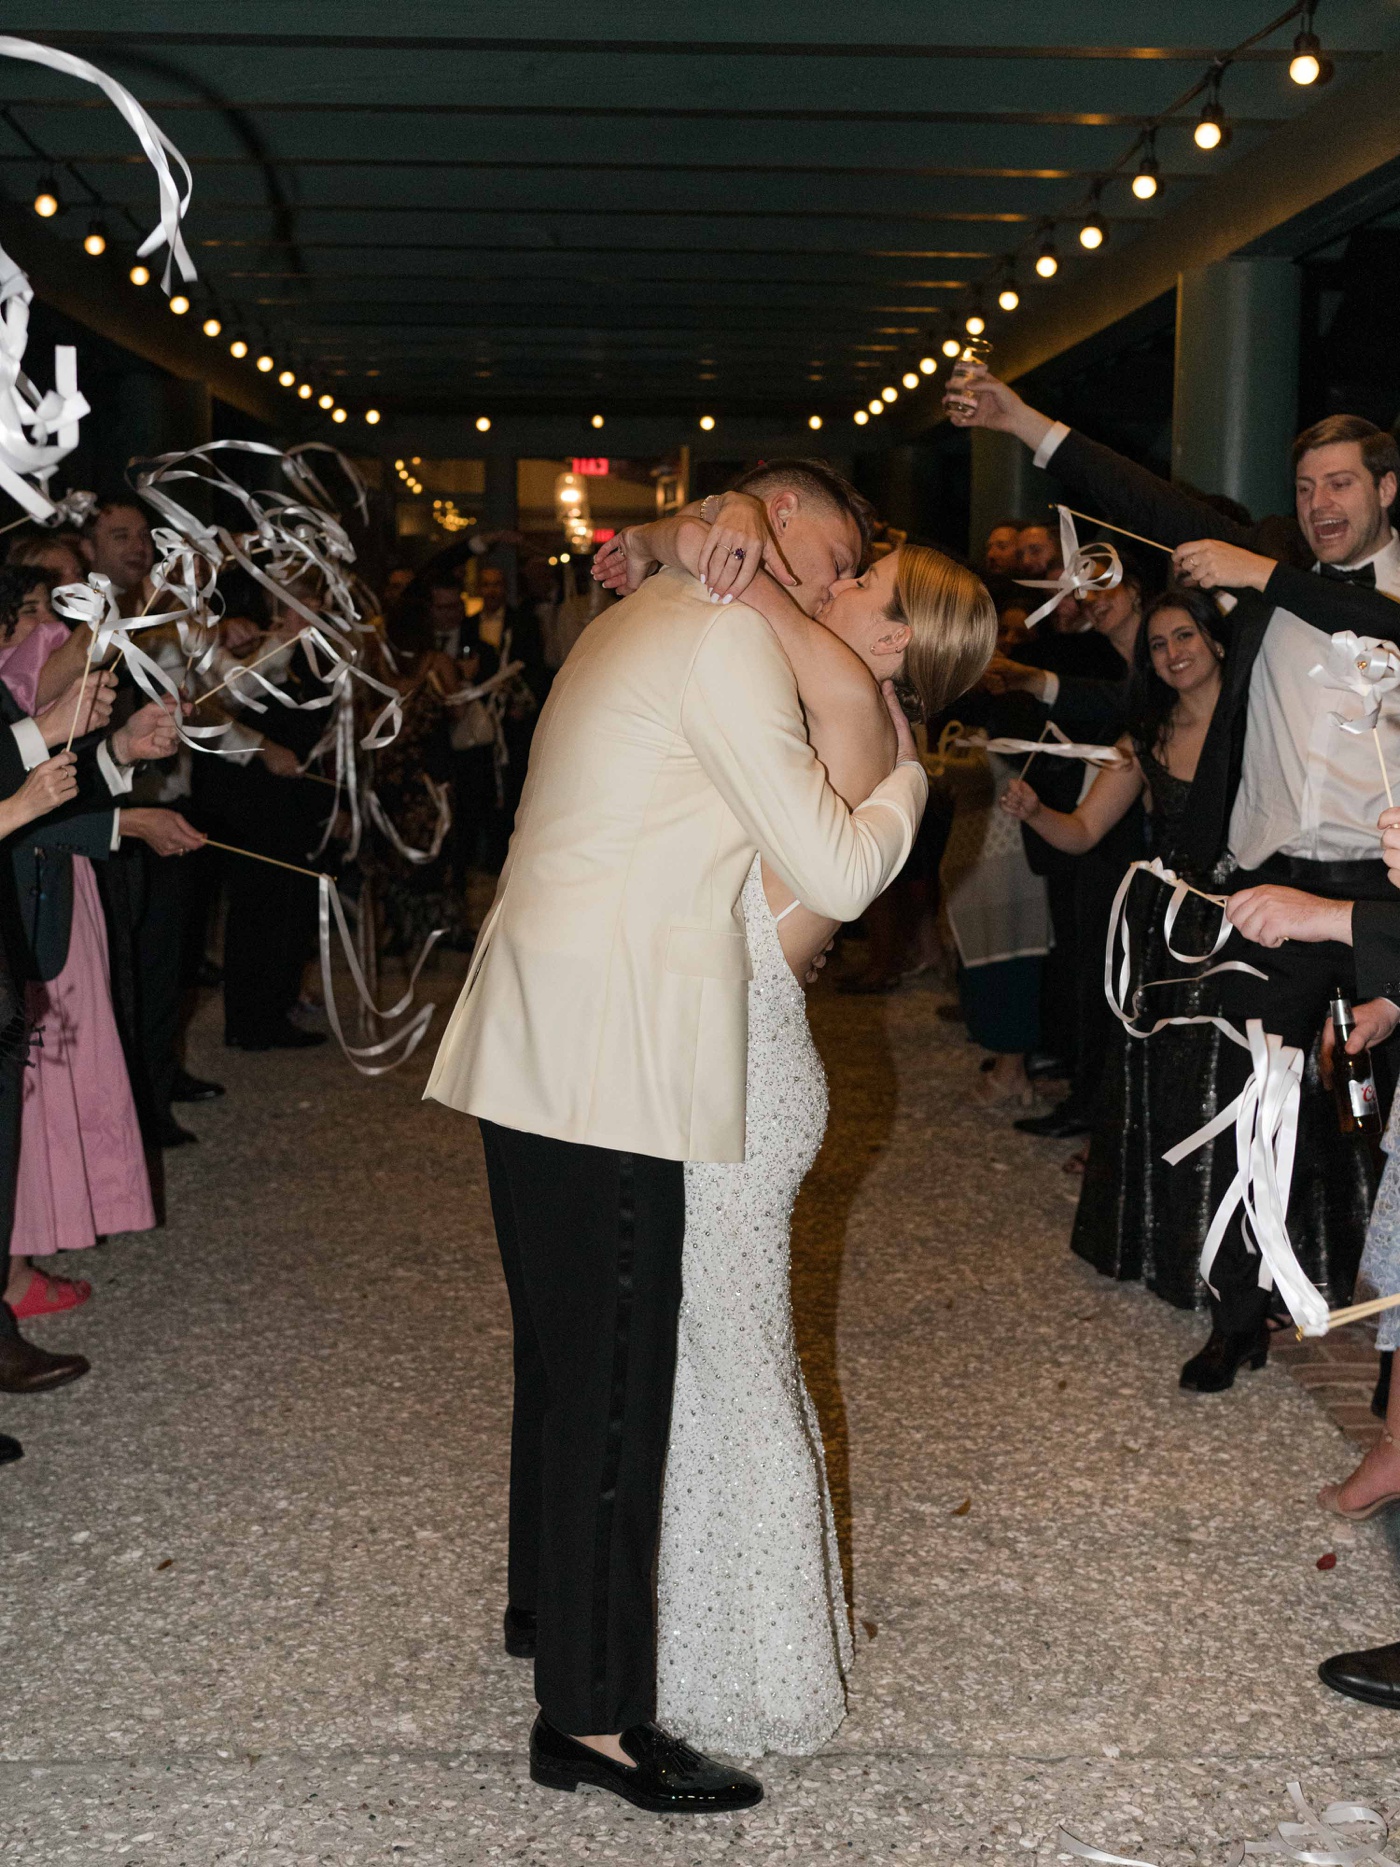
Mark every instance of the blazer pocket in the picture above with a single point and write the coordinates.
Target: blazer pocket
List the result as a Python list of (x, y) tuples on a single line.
[(698, 953)]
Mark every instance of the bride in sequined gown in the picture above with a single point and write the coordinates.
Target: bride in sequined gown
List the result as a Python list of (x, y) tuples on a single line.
[(754, 1636)]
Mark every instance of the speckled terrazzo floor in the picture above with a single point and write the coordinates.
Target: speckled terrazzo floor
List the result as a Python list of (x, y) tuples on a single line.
[(251, 1569)]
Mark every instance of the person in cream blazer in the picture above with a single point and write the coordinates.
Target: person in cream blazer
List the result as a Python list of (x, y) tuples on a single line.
[(600, 1039)]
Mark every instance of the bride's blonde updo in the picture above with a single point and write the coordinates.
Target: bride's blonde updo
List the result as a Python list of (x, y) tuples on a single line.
[(953, 625)]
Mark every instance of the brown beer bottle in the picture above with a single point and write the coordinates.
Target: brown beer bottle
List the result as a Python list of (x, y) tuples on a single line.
[(1358, 1110)]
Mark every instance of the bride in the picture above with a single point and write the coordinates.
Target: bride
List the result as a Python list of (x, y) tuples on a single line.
[(754, 1641)]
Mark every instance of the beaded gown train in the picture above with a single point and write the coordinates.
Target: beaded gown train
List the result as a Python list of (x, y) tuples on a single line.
[(753, 1638)]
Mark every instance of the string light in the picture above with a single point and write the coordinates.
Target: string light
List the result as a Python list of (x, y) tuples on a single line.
[(46, 202), (1047, 260), (1212, 131), (265, 363), (1148, 178), (179, 304), (889, 395), (238, 348), (707, 422), (1008, 297), (372, 417), (325, 401), (286, 378), (909, 379), (139, 276), (876, 407), (951, 347), (95, 239), (1308, 66), (974, 324), (928, 365), (338, 414), (814, 421), (1093, 230), (483, 424), (212, 327), (597, 421), (305, 391), (860, 418)]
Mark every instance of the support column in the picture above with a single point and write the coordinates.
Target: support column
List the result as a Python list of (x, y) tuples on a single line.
[(1235, 407), (501, 512), (1006, 484)]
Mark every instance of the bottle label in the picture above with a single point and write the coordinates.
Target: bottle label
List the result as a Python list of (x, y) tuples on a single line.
[(1361, 1096)]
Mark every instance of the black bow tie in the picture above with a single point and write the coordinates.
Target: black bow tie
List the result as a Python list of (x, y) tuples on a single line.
[(1364, 574)]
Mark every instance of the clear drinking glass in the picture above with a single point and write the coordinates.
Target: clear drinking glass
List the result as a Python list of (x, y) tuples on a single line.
[(976, 354)]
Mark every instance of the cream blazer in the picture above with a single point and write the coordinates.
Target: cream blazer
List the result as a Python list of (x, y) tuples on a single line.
[(607, 998)]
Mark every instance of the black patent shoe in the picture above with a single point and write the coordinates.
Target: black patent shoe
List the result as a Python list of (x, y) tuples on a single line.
[(667, 1777), (522, 1630), (10, 1449), (1373, 1675), (1214, 1368)]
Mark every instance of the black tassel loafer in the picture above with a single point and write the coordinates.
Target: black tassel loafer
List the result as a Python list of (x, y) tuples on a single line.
[(666, 1777)]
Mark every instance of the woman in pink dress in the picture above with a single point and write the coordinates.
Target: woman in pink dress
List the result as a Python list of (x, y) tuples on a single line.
[(82, 1170)]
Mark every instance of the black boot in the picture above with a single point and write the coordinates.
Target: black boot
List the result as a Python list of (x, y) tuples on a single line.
[(665, 1776), (1214, 1367)]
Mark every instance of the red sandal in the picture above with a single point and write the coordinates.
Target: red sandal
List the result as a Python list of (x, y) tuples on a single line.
[(48, 1296)]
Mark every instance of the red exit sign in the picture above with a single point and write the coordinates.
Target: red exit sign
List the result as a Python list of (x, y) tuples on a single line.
[(596, 469)]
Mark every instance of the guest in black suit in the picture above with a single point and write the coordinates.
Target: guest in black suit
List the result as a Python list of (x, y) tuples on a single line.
[(1282, 794)]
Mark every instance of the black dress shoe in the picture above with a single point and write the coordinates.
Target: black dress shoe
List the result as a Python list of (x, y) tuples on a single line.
[(1373, 1676), (1064, 1120), (10, 1449), (522, 1630), (284, 1036), (667, 1777), (1214, 1367), (187, 1088), (25, 1369), (169, 1133)]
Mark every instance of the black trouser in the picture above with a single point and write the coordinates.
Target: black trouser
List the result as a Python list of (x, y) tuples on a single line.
[(591, 1245), (1292, 1004), (160, 932)]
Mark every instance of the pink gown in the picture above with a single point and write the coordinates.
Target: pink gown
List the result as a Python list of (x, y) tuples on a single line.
[(82, 1169)]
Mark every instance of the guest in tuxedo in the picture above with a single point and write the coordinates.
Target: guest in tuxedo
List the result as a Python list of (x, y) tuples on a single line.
[(1280, 788), (1001, 552)]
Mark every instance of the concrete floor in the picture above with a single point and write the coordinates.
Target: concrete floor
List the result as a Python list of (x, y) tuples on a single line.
[(251, 1570)]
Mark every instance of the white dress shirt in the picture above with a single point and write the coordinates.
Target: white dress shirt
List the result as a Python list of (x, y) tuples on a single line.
[(1308, 788)]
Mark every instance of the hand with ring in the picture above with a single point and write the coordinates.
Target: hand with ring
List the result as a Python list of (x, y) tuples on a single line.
[(1211, 564), (733, 552)]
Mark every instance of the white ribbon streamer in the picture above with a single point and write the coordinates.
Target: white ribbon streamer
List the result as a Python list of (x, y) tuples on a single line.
[(384, 823), (1066, 1843), (1107, 756), (407, 1038), (1359, 665), (1264, 1115), (1315, 1841), (1086, 567)]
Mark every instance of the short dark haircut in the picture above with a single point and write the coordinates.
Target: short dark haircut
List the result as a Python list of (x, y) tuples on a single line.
[(1151, 701), (815, 480), (16, 582), (1379, 453), (120, 499), (26, 545), (1006, 525)]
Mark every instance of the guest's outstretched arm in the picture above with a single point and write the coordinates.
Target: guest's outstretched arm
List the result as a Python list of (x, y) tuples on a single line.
[(1113, 793)]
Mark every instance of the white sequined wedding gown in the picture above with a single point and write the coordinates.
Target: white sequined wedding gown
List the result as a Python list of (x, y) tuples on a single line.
[(754, 1641)]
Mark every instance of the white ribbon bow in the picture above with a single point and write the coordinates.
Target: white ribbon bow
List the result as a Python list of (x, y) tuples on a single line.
[(1107, 756), (1359, 665), (1086, 567), (1315, 1841)]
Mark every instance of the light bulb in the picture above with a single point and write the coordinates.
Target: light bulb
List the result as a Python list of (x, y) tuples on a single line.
[(951, 347), (597, 421), (338, 414), (1211, 131), (95, 239), (975, 324), (286, 378), (928, 365), (398, 466), (909, 379), (238, 348), (707, 422), (1207, 135), (46, 201), (179, 304), (1307, 65), (1093, 233), (1008, 298), (814, 421), (483, 424), (265, 363), (139, 276), (212, 327), (563, 557), (372, 417), (305, 391), (1146, 182), (325, 401), (860, 418), (1047, 263), (876, 407)]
